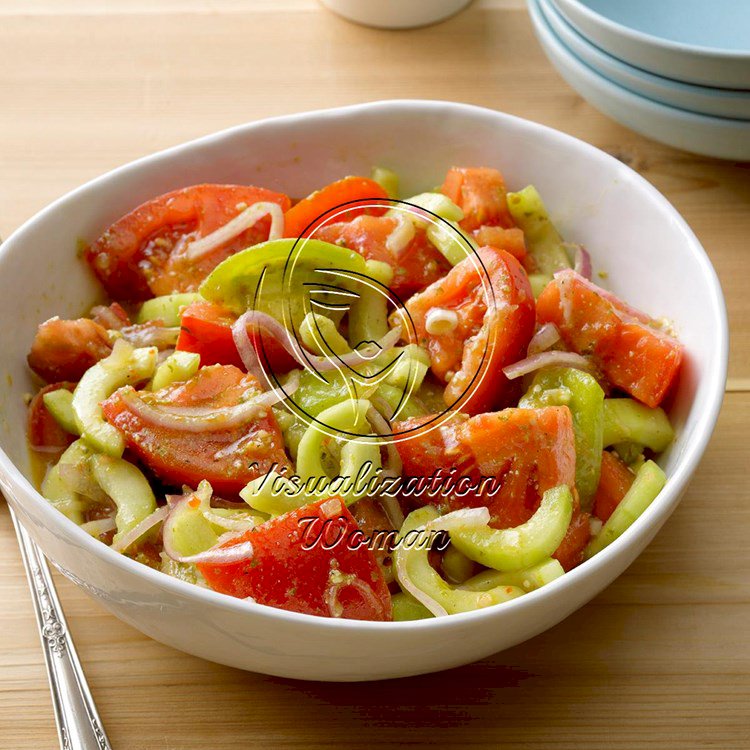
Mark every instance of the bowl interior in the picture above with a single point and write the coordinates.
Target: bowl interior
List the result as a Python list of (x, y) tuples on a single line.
[(648, 254)]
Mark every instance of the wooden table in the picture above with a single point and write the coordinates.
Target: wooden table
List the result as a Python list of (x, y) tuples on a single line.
[(662, 656)]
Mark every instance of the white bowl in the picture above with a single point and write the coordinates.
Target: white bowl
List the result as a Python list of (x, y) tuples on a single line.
[(690, 40), (721, 137), (701, 99), (395, 14), (630, 228)]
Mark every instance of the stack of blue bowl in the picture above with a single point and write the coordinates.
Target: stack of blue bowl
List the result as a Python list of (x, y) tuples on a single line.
[(677, 71)]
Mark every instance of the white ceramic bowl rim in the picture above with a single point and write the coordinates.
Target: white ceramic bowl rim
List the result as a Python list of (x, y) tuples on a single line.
[(656, 512), (642, 37)]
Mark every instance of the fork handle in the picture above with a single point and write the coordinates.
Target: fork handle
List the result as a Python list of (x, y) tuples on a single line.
[(78, 723)]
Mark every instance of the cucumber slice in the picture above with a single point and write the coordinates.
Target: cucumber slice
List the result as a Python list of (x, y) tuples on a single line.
[(168, 308), (59, 404), (387, 179), (125, 366), (177, 367), (522, 546), (60, 496), (529, 579), (647, 484), (627, 420), (407, 608), (129, 489)]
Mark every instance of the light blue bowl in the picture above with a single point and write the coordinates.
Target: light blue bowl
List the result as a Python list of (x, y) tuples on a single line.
[(702, 99), (720, 137), (698, 41)]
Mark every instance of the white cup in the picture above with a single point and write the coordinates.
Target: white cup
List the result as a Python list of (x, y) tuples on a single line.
[(395, 14)]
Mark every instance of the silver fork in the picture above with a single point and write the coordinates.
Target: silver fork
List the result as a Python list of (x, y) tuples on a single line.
[(78, 722)]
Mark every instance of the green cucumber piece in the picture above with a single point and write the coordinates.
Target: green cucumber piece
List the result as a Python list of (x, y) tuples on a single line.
[(522, 546), (125, 366)]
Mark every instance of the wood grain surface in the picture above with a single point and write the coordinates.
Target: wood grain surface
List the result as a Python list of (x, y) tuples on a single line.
[(662, 657)]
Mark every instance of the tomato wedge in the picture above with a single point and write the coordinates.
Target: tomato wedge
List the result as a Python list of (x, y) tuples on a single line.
[(570, 552), (634, 355), (206, 329), (65, 349), (486, 338), (510, 240), (418, 265), (614, 482), (304, 561), (481, 195), (528, 450), (141, 256), (43, 431), (300, 219), (228, 458)]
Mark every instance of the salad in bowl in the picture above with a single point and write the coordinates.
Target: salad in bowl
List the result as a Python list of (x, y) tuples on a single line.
[(357, 405)]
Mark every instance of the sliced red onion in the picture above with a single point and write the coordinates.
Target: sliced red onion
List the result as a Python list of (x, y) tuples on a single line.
[(239, 224), (581, 261), (548, 335), (381, 427), (238, 525), (107, 317), (149, 334), (148, 523), (204, 419), (547, 359), (47, 448), (99, 526), (259, 321), (217, 555)]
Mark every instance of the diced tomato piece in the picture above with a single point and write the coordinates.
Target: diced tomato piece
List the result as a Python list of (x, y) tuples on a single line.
[(528, 450), (43, 431), (227, 458), (490, 333), (480, 193), (418, 265), (511, 240), (65, 349), (206, 329), (307, 561), (141, 254), (614, 482), (634, 356), (570, 552), (301, 219)]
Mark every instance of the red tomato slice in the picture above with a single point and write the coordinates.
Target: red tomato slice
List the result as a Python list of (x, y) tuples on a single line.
[(634, 356), (418, 265), (303, 561), (510, 240), (480, 193), (227, 458), (486, 338), (300, 219), (529, 450), (65, 349), (614, 482), (135, 258), (43, 431), (206, 329), (570, 552)]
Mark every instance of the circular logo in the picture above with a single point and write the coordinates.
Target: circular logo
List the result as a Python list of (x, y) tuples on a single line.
[(356, 339)]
